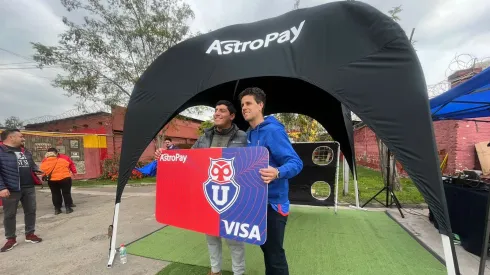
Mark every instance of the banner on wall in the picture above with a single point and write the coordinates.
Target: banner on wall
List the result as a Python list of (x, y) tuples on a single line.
[(215, 191)]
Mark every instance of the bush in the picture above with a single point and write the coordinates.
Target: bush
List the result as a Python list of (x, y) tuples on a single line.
[(110, 169)]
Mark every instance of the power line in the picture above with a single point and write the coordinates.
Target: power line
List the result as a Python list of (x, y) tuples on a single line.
[(17, 63), (16, 54), (29, 68)]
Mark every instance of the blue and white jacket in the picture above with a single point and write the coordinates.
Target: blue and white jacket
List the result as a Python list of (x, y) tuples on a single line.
[(272, 135)]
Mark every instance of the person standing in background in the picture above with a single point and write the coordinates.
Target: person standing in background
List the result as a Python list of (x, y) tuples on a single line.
[(170, 145), (58, 169)]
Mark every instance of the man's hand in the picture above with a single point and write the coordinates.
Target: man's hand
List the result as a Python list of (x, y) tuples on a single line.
[(4, 193), (158, 153), (269, 174)]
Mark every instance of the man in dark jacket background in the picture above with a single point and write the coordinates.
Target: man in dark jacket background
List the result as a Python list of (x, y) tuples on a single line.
[(17, 180), (170, 145), (224, 133)]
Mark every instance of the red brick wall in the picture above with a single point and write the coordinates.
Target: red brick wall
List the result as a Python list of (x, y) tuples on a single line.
[(470, 133), (181, 131), (81, 124), (93, 123), (457, 138), (366, 148), (446, 133)]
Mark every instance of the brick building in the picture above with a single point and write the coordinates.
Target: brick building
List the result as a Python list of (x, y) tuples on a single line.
[(182, 130), (457, 138)]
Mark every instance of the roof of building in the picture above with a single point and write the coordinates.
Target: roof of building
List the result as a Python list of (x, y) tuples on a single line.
[(92, 115), (68, 118)]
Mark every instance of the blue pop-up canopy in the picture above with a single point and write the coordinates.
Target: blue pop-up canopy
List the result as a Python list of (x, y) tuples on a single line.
[(470, 99)]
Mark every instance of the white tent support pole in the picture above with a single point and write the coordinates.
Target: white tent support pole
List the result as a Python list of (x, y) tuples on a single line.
[(346, 175), (356, 190), (448, 255), (112, 251), (337, 177)]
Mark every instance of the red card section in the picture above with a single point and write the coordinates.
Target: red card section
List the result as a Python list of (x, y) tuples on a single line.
[(178, 203)]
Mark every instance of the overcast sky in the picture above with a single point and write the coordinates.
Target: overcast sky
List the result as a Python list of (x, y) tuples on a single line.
[(444, 28)]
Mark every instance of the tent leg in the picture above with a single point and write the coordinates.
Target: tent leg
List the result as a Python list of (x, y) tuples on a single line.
[(448, 255), (484, 250), (356, 190), (346, 176), (337, 178), (112, 248), (356, 193)]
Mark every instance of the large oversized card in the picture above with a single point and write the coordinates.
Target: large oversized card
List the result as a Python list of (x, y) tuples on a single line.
[(216, 191)]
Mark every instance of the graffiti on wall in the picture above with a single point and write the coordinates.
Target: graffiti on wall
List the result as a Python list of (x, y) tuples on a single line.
[(70, 146)]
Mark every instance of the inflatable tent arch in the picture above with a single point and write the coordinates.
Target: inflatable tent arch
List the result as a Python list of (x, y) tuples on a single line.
[(334, 57)]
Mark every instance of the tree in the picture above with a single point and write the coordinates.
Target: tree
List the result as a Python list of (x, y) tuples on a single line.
[(302, 128), (204, 125), (394, 13), (106, 54), (13, 122), (296, 4)]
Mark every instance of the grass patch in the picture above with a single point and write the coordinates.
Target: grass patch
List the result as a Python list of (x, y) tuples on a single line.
[(370, 182), (179, 269), (100, 182), (317, 242)]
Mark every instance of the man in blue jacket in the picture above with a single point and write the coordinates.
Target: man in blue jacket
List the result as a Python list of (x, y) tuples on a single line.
[(17, 180), (284, 163)]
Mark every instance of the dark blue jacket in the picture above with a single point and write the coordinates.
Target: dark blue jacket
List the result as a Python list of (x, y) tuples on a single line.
[(9, 170)]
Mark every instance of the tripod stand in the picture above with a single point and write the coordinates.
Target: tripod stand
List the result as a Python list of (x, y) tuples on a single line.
[(390, 195)]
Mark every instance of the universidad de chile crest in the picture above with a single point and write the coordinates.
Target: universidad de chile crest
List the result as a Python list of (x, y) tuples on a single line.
[(220, 189)]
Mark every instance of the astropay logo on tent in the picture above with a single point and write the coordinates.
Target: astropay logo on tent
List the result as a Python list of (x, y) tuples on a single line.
[(235, 46)]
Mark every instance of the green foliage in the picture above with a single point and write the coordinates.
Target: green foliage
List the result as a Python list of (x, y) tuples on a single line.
[(296, 4), (204, 125), (13, 122), (394, 13), (110, 168), (106, 54), (303, 128)]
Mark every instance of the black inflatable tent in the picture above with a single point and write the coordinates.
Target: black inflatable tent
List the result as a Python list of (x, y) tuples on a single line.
[(322, 62)]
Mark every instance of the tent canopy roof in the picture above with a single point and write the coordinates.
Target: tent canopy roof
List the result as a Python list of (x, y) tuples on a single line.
[(323, 62), (470, 99)]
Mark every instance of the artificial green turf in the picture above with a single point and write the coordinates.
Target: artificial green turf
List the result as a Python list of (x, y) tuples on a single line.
[(185, 269), (317, 242)]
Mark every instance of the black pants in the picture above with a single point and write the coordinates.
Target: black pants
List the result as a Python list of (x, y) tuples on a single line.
[(26, 196), (61, 190), (274, 254)]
